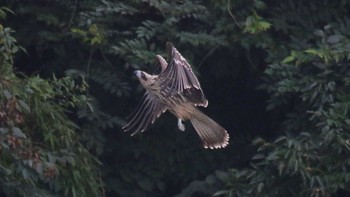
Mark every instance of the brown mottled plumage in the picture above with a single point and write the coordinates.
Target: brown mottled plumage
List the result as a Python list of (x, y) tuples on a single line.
[(175, 89)]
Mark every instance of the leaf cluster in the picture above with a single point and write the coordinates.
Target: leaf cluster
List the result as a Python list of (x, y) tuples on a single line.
[(308, 91), (40, 149)]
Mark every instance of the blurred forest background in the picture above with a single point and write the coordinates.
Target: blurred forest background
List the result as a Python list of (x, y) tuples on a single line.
[(276, 74)]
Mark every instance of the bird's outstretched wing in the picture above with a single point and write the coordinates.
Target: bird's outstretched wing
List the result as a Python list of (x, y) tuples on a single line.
[(148, 110), (161, 62), (178, 78)]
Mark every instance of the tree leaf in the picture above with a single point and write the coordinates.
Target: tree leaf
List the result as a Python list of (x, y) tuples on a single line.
[(334, 39), (24, 105), (146, 184), (18, 132), (221, 193), (288, 59), (258, 156), (7, 94)]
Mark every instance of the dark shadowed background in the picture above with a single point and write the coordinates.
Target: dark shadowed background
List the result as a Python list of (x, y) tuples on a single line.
[(276, 74)]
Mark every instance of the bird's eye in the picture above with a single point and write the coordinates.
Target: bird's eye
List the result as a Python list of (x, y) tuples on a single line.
[(143, 76)]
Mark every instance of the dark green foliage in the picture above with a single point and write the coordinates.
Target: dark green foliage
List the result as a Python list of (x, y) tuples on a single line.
[(309, 94), (40, 150), (296, 52), (105, 40)]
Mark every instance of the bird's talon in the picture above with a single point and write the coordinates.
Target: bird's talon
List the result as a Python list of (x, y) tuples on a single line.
[(180, 125)]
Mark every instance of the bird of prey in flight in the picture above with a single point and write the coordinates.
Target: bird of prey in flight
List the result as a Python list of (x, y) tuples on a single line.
[(177, 90)]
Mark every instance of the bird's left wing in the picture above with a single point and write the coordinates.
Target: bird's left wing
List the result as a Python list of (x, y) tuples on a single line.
[(161, 62), (148, 110), (178, 78)]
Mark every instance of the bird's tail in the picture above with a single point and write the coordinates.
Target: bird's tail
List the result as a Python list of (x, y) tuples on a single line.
[(210, 132)]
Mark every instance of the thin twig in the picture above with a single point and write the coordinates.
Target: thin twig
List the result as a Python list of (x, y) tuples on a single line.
[(105, 58), (207, 55), (88, 67), (230, 13), (89, 61), (76, 4), (250, 62)]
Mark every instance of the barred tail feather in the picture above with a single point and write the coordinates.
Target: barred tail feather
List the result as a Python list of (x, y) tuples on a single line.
[(210, 132)]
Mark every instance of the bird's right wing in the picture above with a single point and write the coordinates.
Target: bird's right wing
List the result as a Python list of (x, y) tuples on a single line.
[(148, 110), (178, 78)]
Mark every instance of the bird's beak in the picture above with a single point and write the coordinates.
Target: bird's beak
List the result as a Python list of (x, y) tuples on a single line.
[(137, 73)]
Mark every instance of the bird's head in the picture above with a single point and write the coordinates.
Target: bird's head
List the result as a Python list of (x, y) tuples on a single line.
[(145, 79)]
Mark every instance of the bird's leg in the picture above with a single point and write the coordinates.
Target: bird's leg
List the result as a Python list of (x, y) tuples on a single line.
[(180, 125)]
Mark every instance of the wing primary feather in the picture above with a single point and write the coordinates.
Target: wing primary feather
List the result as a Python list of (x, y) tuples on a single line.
[(178, 75), (174, 80), (144, 122), (184, 82), (137, 116), (160, 108), (143, 99), (189, 80), (147, 111)]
